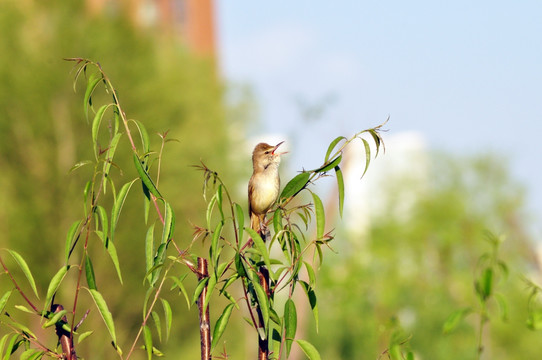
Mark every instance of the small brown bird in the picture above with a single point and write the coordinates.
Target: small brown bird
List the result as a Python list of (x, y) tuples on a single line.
[(264, 185)]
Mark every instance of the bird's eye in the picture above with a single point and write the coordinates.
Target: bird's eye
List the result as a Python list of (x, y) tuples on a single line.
[(267, 152)]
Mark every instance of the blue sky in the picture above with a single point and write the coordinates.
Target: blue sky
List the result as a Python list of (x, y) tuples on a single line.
[(467, 75)]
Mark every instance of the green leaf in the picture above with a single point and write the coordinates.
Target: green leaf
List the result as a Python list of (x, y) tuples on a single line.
[(149, 248), (93, 80), (367, 155), (112, 251), (157, 324), (199, 288), (168, 315), (117, 206), (4, 300), (55, 283), (332, 146), (329, 165), (169, 223), (309, 349), (295, 185), (340, 188), (144, 136), (12, 347), (310, 272), (83, 336), (240, 217), (239, 266), (455, 318), (260, 246), (290, 323), (158, 263), (277, 220), (179, 283), (104, 312), (221, 324), (311, 295), (70, 239), (145, 177), (80, 164), (26, 270), (31, 354), (263, 305), (534, 321), (96, 127), (89, 271), (219, 200), (110, 153), (102, 214), (213, 250), (484, 285), (320, 216), (147, 336), (210, 287), (55, 318)]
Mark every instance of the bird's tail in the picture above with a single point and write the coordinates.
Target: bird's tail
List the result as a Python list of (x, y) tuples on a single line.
[(256, 222)]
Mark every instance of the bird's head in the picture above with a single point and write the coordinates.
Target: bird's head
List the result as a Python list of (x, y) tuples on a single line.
[(265, 155)]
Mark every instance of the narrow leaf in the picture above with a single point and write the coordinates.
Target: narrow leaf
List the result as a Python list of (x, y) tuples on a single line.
[(311, 295), (454, 320), (104, 312), (214, 243), (329, 165), (149, 248), (295, 185), (144, 136), (55, 318), (260, 246), (110, 154), (117, 206), (83, 336), (93, 80), (367, 156), (145, 177), (199, 288), (309, 350), (290, 323), (147, 336), (332, 146), (240, 218), (168, 316), (221, 324), (55, 283), (89, 271), (157, 324), (320, 216), (169, 223), (102, 214), (4, 300), (263, 304), (96, 127), (340, 188), (26, 270)]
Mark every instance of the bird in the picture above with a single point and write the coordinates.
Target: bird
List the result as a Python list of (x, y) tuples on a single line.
[(264, 184)]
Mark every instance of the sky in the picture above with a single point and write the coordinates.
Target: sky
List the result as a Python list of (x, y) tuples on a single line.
[(465, 75)]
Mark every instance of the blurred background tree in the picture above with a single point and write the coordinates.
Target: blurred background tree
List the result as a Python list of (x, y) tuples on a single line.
[(43, 133), (414, 267)]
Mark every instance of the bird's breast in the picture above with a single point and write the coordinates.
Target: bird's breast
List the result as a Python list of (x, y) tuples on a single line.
[(265, 191)]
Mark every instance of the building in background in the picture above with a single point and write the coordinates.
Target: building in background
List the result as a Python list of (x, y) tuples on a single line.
[(193, 21)]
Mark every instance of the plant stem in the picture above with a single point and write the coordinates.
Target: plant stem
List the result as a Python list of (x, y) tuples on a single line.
[(204, 322)]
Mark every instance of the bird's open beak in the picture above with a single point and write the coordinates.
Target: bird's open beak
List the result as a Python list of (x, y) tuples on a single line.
[(276, 147)]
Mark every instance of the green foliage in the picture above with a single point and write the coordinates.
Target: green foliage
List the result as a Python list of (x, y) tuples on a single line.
[(420, 266)]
